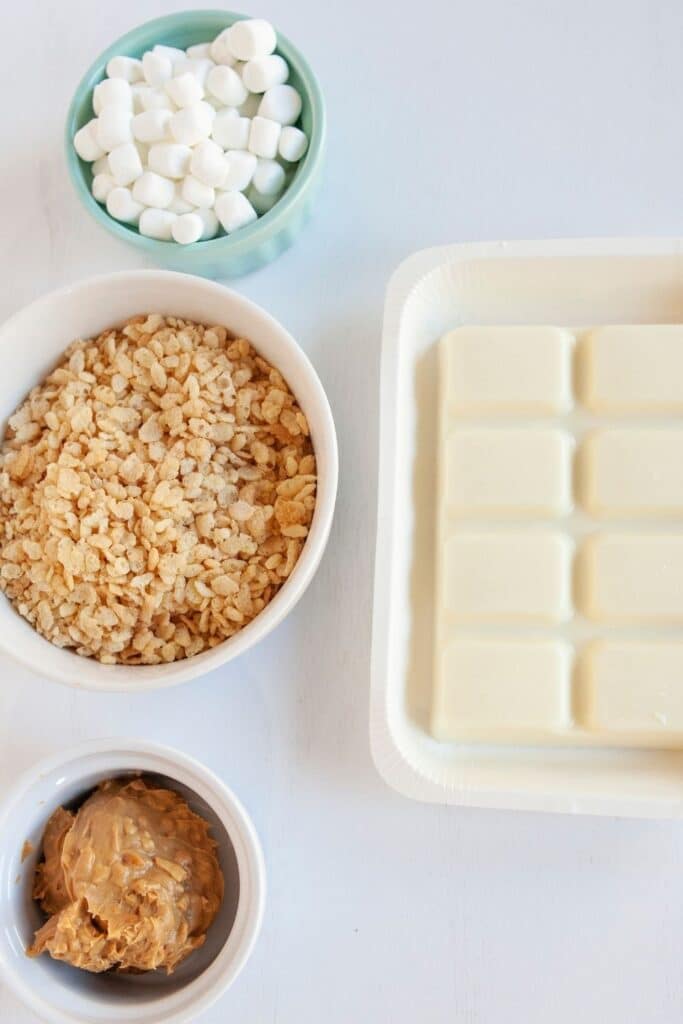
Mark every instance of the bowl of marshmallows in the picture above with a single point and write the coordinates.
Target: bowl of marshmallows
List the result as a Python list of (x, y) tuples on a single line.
[(198, 138)]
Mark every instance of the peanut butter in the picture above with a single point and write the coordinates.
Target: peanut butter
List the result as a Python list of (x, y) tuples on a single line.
[(130, 880)]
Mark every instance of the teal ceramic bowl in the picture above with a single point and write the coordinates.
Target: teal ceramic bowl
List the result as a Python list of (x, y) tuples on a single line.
[(254, 245)]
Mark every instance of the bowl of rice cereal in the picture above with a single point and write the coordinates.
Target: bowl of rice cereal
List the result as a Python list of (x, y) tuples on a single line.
[(168, 473)]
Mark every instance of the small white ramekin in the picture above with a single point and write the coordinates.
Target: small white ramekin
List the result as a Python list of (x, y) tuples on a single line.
[(60, 994), (32, 341)]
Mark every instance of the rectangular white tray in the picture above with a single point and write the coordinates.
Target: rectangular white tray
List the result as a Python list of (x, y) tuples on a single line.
[(569, 283)]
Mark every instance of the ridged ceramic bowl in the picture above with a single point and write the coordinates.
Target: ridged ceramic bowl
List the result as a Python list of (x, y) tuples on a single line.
[(254, 245), (61, 994)]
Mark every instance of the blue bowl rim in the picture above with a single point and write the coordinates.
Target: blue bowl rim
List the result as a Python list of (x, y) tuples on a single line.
[(269, 224)]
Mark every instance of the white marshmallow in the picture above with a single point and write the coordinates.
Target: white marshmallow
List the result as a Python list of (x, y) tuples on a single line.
[(224, 83), (152, 189), (198, 51), (157, 68), (192, 124), (241, 167), (263, 73), (172, 52), (178, 204), (156, 99), (114, 127), (125, 164), (293, 144), (215, 102), (128, 68), (234, 211), (250, 106), (252, 37), (210, 222), (219, 50), (100, 166), (151, 125), (112, 92), (260, 203), (102, 184), (86, 142), (208, 163), (143, 151), (264, 136), (122, 206), (197, 66), (187, 229), (157, 224), (281, 103), (197, 193), (230, 130), (184, 90), (169, 159), (269, 178)]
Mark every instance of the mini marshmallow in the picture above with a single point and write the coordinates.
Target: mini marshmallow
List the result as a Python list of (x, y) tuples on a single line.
[(152, 189), (250, 38), (281, 103), (264, 136), (121, 206), (187, 229), (125, 164), (184, 90), (192, 124), (151, 125), (208, 163), (263, 73), (197, 192), (198, 66), (269, 178), (234, 211), (114, 127), (157, 224), (112, 92), (128, 68), (143, 151), (86, 142), (210, 222), (250, 106), (224, 83), (100, 166), (102, 184), (198, 51), (169, 159), (230, 130), (172, 52), (293, 144), (156, 99), (219, 50), (157, 68), (241, 167)]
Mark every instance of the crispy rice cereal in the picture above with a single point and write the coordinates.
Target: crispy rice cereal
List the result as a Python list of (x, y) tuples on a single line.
[(156, 490)]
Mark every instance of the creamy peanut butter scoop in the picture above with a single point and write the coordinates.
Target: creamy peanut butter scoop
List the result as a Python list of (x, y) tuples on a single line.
[(130, 881)]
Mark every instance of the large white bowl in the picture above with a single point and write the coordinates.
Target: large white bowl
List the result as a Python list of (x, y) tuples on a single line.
[(64, 995), (32, 341)]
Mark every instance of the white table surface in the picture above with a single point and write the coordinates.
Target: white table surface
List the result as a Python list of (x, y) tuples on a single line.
[(473, 120)]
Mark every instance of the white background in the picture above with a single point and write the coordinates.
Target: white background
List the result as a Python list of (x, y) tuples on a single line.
[(450, 120)]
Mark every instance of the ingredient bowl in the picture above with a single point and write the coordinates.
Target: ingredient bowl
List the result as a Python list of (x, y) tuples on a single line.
[(251, 246), (62, 994), (32, 342)]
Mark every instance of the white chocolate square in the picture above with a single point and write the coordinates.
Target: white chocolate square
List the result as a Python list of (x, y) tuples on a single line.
[(633, 472), (503, 370), (510, 686), (521, 576), (511, 472), (633, 368), (634, 687), (632, 578)]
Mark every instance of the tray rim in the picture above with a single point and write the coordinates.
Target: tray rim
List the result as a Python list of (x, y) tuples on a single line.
[(392, 766)]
